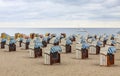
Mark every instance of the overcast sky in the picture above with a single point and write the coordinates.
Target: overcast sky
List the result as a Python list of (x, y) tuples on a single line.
[(14, 11), (25, 10)]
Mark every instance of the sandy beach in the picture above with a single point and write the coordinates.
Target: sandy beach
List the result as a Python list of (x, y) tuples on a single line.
[(20, 64)]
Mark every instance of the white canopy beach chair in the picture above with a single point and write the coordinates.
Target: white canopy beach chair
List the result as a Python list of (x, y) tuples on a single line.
[(62, 44), (31, 48), (23, 44), (78, 51), (104, 58), (92, 48)]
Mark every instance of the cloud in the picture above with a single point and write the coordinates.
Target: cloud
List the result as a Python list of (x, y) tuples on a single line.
[(111, 3), (28, 10)]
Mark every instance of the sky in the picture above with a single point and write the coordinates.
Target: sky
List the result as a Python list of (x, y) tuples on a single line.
[(20, 13), (68, 31)]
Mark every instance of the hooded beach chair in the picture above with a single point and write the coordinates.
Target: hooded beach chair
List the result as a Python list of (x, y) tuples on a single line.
[(78, 50), (31, 48), (112, 37), (92, 48), (20, 40), (62, 44), (117, 45), (32, 35), (53, 56), (35, 48), (7, 45), (52, 40), (108, 42), (107, 56), (82, 50), (25, 44), (78, 38), (98, 47), (44, 41), (68, 47), (3, 42), (95, 47), (117, 39), (17, 42), (46, 55), (10, 45), (105, 41), (73, 45), (113, 42)]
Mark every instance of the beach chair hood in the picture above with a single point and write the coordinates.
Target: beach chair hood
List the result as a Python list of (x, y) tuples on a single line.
[(3, 40), (55, 49), (85, 45), (111, 50), (68, 41), (99, 43)]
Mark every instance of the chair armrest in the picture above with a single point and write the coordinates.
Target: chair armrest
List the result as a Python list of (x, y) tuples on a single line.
[(63, 45), (78, 49), (47, 54), (92, 46), (103, 54), (31, 48), (7, 44)]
